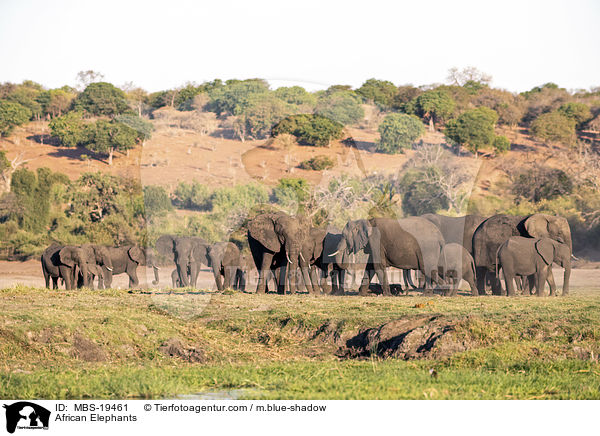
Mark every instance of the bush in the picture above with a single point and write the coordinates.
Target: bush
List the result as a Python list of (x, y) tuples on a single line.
[(11, 115), (473, 129), (381, 92), (541, 183), (501, 144), (398, 131), (343, 107), (236, 96), (317, 163), (310, 129), (262, 114), (291, 193), (578, 112), (554, 127), (194, 195), (419, 196), (295, 95), (434, 105), (156, 201)]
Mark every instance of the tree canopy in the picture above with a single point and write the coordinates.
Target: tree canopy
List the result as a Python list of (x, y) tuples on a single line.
[(101, 98), (398, 131)]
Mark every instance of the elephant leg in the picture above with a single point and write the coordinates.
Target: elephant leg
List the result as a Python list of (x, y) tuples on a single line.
[(194, 270), (227, 274), (314, 278), (264, 269), (550, 280), (383, 279), (366, 280), (509, 277), (496, 285), (481, 276), (132, 273), (469, 277), (46, 277), (540, 281), (217, 275), (305, 271), (54, 283)]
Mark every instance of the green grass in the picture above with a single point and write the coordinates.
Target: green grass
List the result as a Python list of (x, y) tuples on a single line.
[(522, 348)]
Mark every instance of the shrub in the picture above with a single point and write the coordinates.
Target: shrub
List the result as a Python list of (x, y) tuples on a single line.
[(578, 112), (69, 129), (398, 131), (381, 92), (419, 196), (310, 129), (317, 163), (501, 144), (343, 107), (295, 95), (291, 193), (434, 106), (541, 183), (12, 114), (156, 201), (193, 195), (554, 127)]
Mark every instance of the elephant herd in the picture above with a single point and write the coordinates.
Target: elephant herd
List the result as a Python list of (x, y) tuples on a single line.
[(288, 252), (444, 251)]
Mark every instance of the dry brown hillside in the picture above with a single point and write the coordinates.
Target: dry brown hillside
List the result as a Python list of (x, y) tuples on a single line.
[(174, 155)]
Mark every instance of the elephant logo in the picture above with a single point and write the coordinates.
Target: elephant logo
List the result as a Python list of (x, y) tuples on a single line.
[(26, 415)]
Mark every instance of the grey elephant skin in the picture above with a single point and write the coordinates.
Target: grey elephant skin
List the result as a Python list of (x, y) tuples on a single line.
[(457, 264), (524, 257), (409, 243), (496, 230), (275, 240), (68, 262), (126, 259), (228, 266), (188, 253), (457, 230)]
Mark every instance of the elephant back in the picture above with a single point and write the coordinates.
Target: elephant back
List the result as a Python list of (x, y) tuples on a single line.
[(492, 233)]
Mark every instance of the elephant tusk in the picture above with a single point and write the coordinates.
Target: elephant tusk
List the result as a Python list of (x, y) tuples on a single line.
[(573, 257), (302, 257), (109, 268), (155, 267), (288, 258), (334, 254)]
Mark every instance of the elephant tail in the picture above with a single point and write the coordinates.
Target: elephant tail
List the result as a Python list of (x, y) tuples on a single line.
[(497, 269), (408, 278)]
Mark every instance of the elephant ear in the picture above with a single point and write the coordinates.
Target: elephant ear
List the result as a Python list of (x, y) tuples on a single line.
[(200, 253), (164, 245), (67, 256), (136, 254), (363, 233), (262, 229), (545, 248), (537, 226)]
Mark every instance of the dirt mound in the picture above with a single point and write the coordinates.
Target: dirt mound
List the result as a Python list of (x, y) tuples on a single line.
[(85, 349), (173, 347), (414, 338)]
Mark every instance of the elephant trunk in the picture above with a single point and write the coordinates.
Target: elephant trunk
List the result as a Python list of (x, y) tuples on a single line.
[(156, 278)]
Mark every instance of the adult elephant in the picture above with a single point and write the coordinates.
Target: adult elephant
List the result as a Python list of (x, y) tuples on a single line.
[(68, 261), (494, 231), (279, 237), (409, 243), (187, 252), (326, 263), (457, 230), (126, 259), (226, 263)]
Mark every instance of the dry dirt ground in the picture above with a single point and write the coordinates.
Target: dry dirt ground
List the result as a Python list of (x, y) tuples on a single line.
[(30, 273)]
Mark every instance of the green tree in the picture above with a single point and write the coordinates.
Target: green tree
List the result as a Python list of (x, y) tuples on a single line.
[(578, 112), (501, 144), (56, 102), (399, 131), (381, 92), (341, 106), (419, 196), (236, 96), (101, 98), (473, 129), (434, 106), (309, 129), (156, 201), (554, 127), (27, 95), (142, 127), (12, 114), (69, 129), (295, 95), (106, 137), (292, 193), (263, 112)]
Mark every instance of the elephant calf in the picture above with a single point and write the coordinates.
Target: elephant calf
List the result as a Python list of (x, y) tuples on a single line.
[(457, 264), (520, 256)]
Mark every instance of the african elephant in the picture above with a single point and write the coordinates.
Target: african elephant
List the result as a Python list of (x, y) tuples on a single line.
[(187, 252), (226, 263), (520, 256), (409, 243), (275, 240), (126, 259), (457, 264), (457, 230), (494, 231), (68, 261)]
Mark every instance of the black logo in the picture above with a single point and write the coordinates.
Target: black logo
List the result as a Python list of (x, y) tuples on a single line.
[(26, 415)]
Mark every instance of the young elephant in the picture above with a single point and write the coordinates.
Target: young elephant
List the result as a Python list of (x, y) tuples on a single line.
[(457, 264), (226, 262), (520, 256)]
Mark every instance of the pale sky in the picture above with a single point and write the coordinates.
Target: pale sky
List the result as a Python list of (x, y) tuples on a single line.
[(163, 44)]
